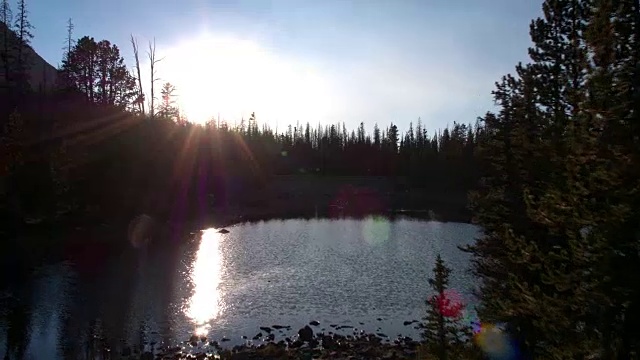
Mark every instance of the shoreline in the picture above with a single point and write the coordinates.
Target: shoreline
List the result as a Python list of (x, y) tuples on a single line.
[(305, 345), (220, 218)]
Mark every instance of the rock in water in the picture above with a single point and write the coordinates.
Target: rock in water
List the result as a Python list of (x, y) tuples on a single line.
[(296, 344), (265, 329), (223, 231), (306, 334), (193, 340), (328, 343), (314, 323)]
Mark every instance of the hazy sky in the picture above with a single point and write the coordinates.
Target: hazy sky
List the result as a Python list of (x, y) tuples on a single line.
[(316, 60)]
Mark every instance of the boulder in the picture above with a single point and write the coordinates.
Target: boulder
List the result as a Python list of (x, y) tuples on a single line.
[(305, 334)]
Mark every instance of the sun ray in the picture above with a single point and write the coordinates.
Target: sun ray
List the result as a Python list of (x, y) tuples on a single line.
[(252, 160)]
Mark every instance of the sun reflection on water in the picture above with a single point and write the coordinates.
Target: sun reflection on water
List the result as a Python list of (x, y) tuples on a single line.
[(206, 275)]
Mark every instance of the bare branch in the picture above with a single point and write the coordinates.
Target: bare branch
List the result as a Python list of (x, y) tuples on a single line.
[(134, 43), (152, 63)]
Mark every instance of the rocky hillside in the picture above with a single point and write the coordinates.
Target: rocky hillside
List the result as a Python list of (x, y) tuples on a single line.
[(42, 75)]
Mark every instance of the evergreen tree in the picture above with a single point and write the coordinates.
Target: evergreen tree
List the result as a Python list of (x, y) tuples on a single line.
[(376, 136), (444, 333), (552, 204), (168, 108), (98, 71), (6, 17), (23, 29), (614, 102), (392, 138)]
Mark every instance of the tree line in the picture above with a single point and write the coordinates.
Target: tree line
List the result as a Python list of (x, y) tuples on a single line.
[(15, 36), (97, 131)]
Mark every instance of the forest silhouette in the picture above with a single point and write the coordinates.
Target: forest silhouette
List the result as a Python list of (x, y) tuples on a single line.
[(89, 148)]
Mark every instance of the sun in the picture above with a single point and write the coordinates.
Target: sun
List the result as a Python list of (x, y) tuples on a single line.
[(222, 75)]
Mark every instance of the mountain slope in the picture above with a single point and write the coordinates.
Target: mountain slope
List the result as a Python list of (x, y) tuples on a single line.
[(42, 75)]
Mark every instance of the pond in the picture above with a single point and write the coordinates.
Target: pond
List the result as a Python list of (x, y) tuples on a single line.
[(348, 275)]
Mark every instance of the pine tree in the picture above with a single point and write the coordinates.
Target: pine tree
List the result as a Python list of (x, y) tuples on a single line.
[(168, 108), (6, 17), (97, 70), (376, 136), (541, 274), (392, 138), (23, 29), (614, 103), (444, 333)]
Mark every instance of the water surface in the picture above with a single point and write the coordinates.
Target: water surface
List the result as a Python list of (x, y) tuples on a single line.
[(368, 273)]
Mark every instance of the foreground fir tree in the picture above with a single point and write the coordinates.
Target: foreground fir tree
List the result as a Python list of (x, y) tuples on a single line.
[(558, 203), (445, 336), (614, 39)]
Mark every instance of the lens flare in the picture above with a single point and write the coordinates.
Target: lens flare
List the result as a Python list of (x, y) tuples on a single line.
[(470, 318), (140, 230), (375, 230), (495, 343), (450, 304)]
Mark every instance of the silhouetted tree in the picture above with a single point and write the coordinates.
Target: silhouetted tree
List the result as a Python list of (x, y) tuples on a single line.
[(613, 37), (140, 97), (6, 19), (445, 335), (23, 30), (168, 108), (153, 61), (98, 71), (69, 41), (557, 227)]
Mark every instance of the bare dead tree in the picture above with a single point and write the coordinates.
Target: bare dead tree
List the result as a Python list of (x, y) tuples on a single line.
[(152, 63), (140, 100), (69, 47)]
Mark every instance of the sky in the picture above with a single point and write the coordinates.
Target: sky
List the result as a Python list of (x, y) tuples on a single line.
[(328, 61)]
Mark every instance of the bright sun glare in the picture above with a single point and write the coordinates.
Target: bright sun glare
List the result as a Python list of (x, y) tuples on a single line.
[(206, 302), (230, 77)]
